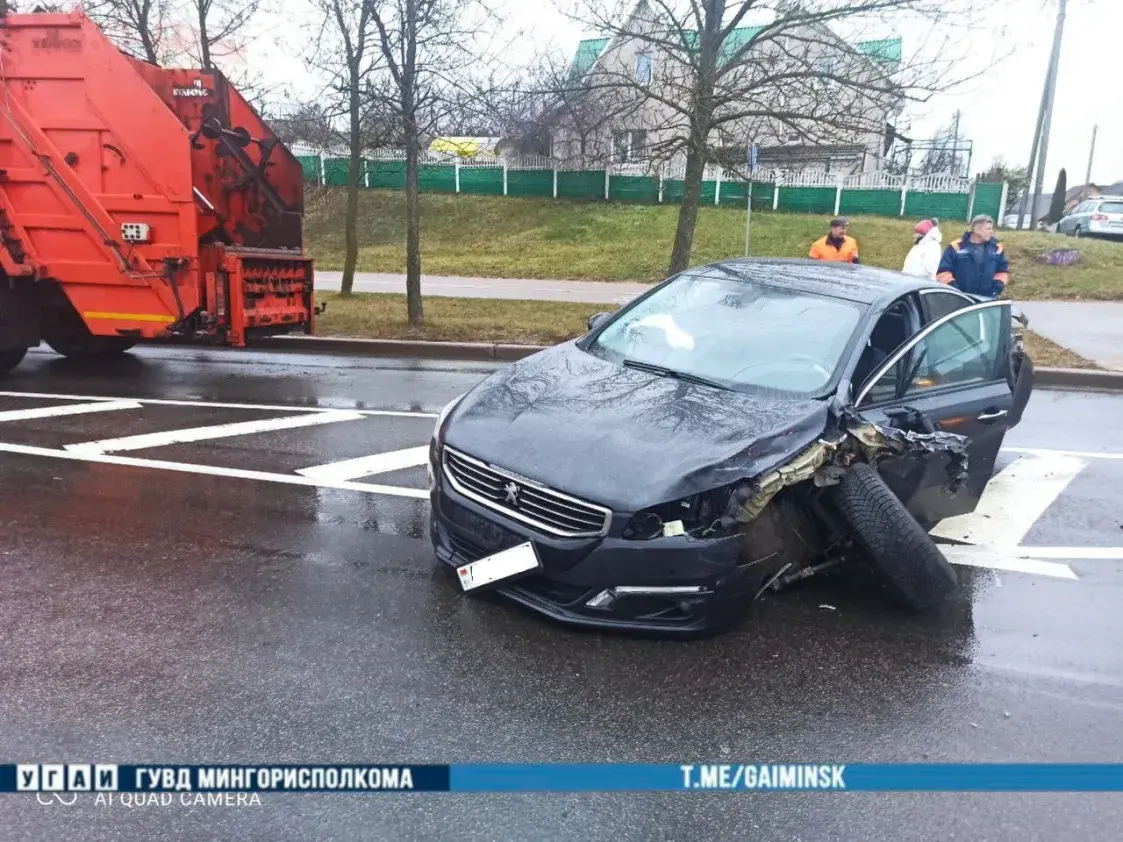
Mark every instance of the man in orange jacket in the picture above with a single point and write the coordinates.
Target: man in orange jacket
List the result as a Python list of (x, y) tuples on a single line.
[(837, 246)]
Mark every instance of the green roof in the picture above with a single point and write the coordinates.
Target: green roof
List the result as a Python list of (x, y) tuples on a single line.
[(587, 52), (884, 49)]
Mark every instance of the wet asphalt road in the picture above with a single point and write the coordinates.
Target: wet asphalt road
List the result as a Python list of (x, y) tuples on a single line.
[(161, 616)]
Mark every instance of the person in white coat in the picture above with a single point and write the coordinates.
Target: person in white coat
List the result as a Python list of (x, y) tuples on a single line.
[(923, 259)]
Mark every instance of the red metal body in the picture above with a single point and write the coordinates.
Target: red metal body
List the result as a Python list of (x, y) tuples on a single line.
[(157, 201)]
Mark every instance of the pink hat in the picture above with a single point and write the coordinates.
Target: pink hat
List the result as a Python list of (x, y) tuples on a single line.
[(923, 227)]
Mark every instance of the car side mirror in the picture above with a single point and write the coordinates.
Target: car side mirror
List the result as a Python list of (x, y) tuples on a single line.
[(598, 319)]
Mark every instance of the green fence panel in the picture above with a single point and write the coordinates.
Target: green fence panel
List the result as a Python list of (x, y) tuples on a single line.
[(530, 183), (633, 188), (310, 165), (336, 171), (946, 206), (437, 178), (733, 194), (877, 202), (807, 199), (388, 175), (484, 181), (581, 184), (988, 198), (672, 191)]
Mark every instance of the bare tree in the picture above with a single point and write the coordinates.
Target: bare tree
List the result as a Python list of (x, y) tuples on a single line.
[(220, 27), (701, 79), (139, 27), (344, 50), (428, 49)]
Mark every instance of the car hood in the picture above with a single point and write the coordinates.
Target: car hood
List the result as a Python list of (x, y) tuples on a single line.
[(621, 437)]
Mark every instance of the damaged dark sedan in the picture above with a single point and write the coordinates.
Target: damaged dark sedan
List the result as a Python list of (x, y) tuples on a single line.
[(741, 426)]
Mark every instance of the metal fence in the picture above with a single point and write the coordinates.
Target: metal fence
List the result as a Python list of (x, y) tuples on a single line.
[(881, 194)]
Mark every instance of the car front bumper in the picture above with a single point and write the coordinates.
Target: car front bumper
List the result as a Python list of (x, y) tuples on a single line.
[(678, 586)]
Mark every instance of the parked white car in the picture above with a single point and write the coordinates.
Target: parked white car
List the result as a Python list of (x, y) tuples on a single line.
[(1098, 216)]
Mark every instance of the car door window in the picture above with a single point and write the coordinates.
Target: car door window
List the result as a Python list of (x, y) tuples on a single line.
[(961, 351), (893, 329), (938, 304)]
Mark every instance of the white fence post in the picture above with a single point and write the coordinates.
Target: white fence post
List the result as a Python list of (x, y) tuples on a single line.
[(717, 187), (660, 184), (555, 181), (323, 172), (838, 198), (366, 172), (971, 203), (776, 196), (607, 179), (1003, 200), (904, 195), (504, 176), (456, 164)]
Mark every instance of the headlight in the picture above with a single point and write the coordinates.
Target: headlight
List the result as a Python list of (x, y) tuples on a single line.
[(449, 407)]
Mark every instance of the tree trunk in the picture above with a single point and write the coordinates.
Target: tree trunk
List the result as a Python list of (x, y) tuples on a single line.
[(691, 200), (351, 239), (204, 47), (413, 228)]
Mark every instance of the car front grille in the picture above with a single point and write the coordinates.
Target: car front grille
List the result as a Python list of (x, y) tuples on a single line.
[(524, 500)]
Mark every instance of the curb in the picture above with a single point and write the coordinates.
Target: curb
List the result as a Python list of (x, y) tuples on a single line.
[(1079, 378), (1054, 378), (477, 351)]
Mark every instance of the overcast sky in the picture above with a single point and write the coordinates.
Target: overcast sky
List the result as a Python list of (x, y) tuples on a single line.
[(997, 112)]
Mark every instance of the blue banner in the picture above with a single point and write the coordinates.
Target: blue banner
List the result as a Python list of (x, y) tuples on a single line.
[(560, 777)]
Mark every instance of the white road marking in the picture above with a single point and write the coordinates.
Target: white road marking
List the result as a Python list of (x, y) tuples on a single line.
[(210, 470), (1072, 553), (214, 405), (216, 431), (1000, 560), (67, 409), (1078, 454), (1013, 501), (365, 466)]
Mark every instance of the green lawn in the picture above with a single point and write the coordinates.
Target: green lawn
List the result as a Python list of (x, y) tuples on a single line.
[(521, 322), (545, 238)]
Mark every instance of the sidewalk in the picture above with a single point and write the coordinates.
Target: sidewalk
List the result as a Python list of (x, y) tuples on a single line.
[(592, 292), (1092, 329)]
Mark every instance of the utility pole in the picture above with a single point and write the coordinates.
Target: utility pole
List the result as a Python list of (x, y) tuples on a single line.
[(1091, 156), (1047, 121)]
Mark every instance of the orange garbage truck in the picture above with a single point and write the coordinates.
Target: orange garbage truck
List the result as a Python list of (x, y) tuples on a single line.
[(137, 203)]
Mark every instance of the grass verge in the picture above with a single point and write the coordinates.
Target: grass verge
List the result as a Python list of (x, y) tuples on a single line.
[(499, 237), (376, 316)]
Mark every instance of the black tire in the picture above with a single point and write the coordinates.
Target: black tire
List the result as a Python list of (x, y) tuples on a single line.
[(11, 358), (896, 545), (91, 347)]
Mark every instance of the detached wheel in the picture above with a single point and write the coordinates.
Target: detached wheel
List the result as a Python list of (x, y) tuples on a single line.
[(91, 347), (898, 547), (11, 358)]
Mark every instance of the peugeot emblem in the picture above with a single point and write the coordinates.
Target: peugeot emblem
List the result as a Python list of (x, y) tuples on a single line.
[(512, 494)]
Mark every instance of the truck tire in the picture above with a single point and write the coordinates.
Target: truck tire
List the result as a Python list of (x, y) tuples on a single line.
[(899, 549), (90, 347), (10, 358)]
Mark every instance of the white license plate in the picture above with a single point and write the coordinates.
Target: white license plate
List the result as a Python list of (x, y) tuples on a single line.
[(503, 565)]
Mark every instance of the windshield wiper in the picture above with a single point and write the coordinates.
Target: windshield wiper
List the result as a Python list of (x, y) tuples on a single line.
[(663, 371)]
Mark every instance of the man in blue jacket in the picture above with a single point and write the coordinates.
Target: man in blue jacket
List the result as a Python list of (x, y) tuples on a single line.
[(976, 264)]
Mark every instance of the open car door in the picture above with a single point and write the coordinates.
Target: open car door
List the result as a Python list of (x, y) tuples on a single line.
[(955, 374)]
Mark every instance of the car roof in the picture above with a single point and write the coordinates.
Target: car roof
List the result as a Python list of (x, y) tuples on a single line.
[(861, 284)]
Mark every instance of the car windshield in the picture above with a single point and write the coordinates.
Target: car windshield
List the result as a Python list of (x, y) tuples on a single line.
[(737, 334)]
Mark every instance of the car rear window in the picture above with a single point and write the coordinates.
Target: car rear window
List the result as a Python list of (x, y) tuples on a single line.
[(1111, 207)]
